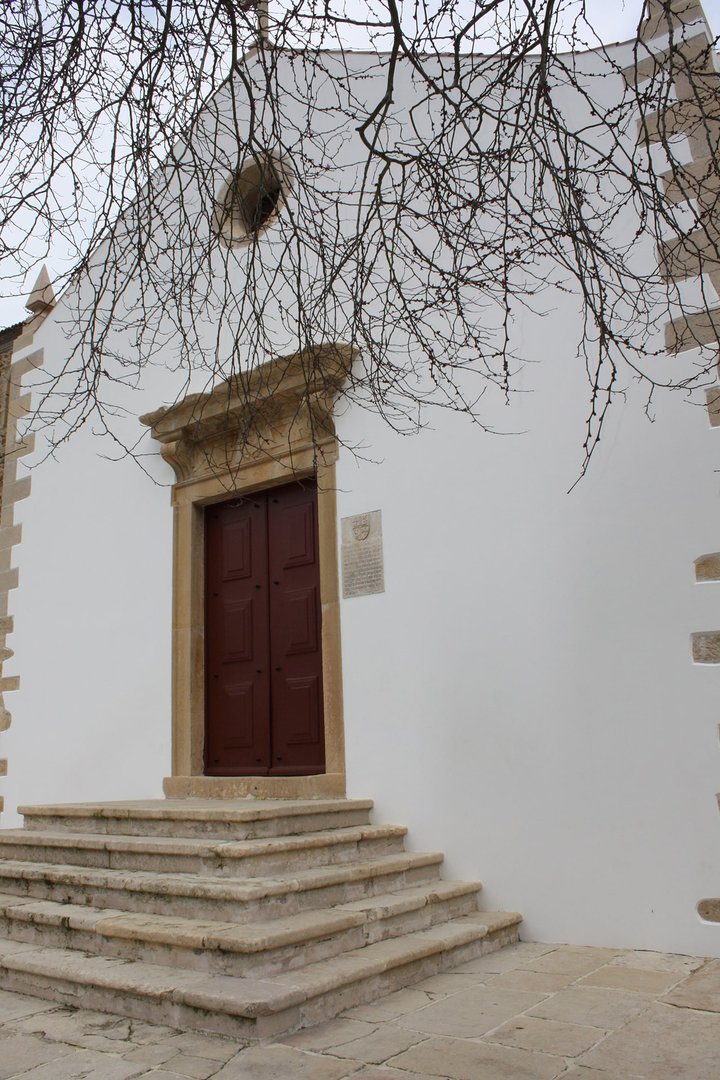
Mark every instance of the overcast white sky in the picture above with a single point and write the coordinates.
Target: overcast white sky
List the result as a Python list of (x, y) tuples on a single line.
[(613, 20), (616, 20)]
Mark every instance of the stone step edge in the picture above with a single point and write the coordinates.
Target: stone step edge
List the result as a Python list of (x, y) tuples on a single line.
[(197, 886), (245, 938), (190, 845), (238, 810), (242, 997)]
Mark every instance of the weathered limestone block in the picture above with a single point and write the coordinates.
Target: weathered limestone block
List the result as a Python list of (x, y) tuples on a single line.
[(709, 909), (693, 331), (707, 567), (706, 647)]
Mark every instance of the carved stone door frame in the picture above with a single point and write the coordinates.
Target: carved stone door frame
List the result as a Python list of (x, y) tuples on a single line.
[(251, 432)]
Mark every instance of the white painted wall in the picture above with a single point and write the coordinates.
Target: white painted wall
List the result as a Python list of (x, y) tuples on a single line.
[(92, 634), (522, 695)]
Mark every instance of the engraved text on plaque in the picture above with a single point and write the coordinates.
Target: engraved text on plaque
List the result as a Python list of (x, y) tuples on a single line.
[(362, 554)]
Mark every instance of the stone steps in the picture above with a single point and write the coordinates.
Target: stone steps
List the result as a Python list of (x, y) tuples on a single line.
[(246, 918), (186, 855), (262, 948), (249, 1007), (193, 895), (236, 819)]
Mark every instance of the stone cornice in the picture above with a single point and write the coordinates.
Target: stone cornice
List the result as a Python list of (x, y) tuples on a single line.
[(269, 409)]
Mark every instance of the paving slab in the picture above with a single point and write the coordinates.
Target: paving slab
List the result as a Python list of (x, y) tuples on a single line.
[(92, 1030), (20, 1053), (15, 1006), (384, 1072), (460, 1059), (639, 980), (701, 990), (192, 1068), (160, 1074), (471, 1013), (547, 982), (86, 1065), (375, 1049), (665, 1043), (507, 959), (579, 1072), (572, 960), (451, 982), (331, 1033), (284, 1063), (151, 1055), (592, 1006), (393, 1005), (214, 1047), (548, 1036), (657, 961)]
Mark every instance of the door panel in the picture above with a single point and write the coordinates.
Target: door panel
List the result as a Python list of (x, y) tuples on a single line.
[(303, 695), (298, 746), (300, 632), (236, 546), (237, 638), (294, 531), (239, 702), (263, 635)]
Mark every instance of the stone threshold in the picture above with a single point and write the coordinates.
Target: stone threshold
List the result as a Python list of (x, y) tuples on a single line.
[(325, 785)]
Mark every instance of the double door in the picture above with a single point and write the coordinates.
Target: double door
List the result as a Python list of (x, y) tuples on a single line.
[(263, 649)]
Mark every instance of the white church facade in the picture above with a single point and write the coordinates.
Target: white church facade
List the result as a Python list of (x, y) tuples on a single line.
[(522, 668)]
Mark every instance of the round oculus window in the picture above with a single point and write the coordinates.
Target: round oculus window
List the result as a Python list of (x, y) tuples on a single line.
[(251, 200)]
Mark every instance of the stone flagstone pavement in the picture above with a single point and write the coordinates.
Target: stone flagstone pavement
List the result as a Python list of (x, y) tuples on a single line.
[(528, 1012)]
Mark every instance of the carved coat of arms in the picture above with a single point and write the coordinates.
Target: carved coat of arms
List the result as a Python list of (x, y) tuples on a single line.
[(361, 527)]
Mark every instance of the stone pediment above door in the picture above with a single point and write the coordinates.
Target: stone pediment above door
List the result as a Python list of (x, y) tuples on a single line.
[(276, 409)]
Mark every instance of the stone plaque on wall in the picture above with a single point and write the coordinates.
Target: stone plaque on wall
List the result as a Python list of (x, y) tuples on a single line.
[(362, 555)]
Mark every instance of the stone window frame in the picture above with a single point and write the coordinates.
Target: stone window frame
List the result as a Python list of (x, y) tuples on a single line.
[(251, 432)]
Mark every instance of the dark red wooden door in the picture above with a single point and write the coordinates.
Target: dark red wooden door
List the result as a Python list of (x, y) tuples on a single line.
[(298, 744), (237, 641), (263, 674)]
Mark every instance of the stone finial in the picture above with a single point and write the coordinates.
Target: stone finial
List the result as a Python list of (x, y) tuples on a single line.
[(42, 296)]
